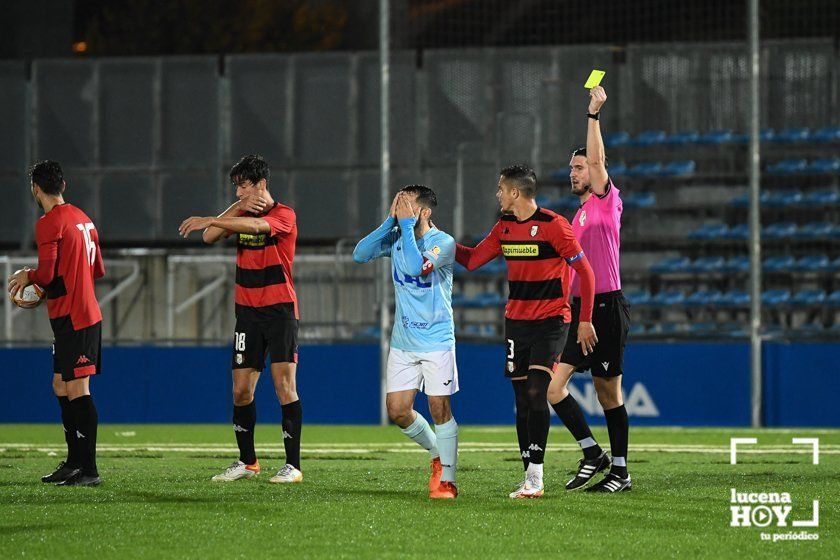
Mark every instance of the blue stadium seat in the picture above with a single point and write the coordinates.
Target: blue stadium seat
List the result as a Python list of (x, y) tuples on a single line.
[(683, 168), (775, 298), (810, 329), (704, 328), (709, 232), (743, 200), (458, 300), (833, 299), (737, 264), (826, 134), (544, 201), (717, 137), (671, 265), (734, 298), (834, 266), (366, 333), (667, 328), (682, 138), (792, 135), (816, 230), (647, 169), (708, 265), (649, 138), (824, 165), (812, 263), (488, 299), (732, 329), (779, 230), (823, 197), (666, 299), (637, 298), (808, 297), (783, 263), (640, 200), (703, 298), (788, 167), (739, 231), (617, 170), (616, 139), (636, 328), (780, 199)]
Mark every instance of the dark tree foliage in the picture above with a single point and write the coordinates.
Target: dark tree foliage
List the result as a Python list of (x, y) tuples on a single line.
[(152, 27)]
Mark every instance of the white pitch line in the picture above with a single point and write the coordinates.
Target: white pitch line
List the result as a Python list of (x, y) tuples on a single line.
[(385, 448)]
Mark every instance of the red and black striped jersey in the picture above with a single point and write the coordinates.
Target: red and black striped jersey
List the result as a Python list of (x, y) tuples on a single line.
[(538, 252), (69, 260), (264, 286)]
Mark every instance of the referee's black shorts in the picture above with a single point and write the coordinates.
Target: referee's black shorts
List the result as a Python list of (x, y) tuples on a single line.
[(611, 319)]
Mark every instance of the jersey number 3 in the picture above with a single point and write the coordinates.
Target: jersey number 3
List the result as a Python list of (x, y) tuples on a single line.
[(91, 246)]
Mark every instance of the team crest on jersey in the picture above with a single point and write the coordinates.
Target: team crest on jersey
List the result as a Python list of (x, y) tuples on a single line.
[(534, 230), (436, 250), (582, 218), (511, 367), (239, 359)]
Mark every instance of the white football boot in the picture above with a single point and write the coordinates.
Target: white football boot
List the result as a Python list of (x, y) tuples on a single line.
[(286, 475), (238, 470), (531, 488)]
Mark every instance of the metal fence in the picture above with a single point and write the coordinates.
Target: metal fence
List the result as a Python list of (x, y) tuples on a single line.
[(157, 135)]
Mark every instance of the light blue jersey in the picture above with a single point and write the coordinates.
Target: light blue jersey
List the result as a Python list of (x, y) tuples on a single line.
[(422, 273)]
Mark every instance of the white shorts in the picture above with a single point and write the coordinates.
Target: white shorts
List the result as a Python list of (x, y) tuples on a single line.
[(434, 373)]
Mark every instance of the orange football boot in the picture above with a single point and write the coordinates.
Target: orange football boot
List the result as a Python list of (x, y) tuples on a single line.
[(445, 491), (437, 471)]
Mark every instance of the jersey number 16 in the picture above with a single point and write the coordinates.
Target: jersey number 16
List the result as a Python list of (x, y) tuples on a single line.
[(91, 246)]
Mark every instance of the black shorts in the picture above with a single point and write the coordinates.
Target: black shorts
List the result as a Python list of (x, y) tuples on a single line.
[(254, 339), (533, 343), (611, 319), (78, 354)]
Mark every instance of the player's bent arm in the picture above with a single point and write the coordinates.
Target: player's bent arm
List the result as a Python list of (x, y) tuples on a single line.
[(213, 234), (370, 246), (47, 257), (587, 285), (596, 158), (476, 257), (411, 256), (242, 224)]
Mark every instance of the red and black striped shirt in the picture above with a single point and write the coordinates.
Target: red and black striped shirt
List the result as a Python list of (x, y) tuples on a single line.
[(264, 286), (69, 260), (538, 252)]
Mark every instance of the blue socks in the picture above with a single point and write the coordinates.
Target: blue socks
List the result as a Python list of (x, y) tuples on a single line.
[(447, 443), (422, 433)]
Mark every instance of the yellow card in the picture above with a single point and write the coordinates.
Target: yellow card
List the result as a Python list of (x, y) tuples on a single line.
[(594, 79)]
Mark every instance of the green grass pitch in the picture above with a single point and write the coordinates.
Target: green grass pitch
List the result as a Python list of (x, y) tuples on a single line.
[(364, 496)]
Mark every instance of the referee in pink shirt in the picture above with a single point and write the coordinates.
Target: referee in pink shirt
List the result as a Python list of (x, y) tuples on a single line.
[(596, 225)]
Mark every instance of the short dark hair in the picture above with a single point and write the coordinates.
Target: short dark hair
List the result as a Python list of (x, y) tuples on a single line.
[(522, 177), (48, 176), (425, 196), (251, 168), (582, 152)]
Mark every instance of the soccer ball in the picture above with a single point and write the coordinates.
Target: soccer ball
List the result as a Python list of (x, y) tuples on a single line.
[(30, 297)]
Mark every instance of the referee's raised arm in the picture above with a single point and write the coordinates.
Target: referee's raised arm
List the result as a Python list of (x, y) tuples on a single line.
[(595, 155)]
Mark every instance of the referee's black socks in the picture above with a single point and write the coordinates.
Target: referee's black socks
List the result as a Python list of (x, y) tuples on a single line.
[(568, 410), (69, 423), (619, 429), (244, 421), (87, 421), (292, 426), (520, 392), (539, 417)]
